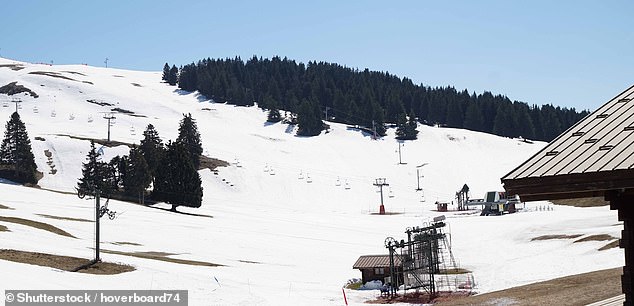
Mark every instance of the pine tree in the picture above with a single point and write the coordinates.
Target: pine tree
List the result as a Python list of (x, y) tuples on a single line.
[(177, 182), (137, 177), (406, 127), (16, 152), (173, 76), (166, 73), (308, 119), (274, 115), (94, 174), (152, 148), (188, 136)]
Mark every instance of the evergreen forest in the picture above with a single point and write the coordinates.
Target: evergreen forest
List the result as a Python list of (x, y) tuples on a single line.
[(365, 98)]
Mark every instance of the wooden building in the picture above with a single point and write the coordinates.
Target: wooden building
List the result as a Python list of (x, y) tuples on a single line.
[(377, 267), (594, 158)]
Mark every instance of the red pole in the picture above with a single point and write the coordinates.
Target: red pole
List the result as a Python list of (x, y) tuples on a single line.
[(344, 296)]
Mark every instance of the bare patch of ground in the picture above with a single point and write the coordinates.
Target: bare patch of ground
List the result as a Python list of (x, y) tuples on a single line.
[(38, 225), (4, 228), (14, 67), (211, 163), (551, 237), (136, 84), (454, 271), (5, 207), (611, 245), (578, 289), (387, 213), (64, 218), (126, 243), (103, 142), (601, 237), (52, 74), (121, 110), (100, 103), (250, 262), (65, 263), (582, 202), (75, 72), (162, 256), (13, 88), (420, 297)]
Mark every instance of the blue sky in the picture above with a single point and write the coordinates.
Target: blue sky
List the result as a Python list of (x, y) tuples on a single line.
[(568, 53)]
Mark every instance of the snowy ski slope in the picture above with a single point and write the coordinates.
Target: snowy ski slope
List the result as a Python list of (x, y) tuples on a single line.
[(281, 239)]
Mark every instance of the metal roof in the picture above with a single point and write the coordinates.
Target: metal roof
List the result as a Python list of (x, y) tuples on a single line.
[(375, 261), (601, 143)]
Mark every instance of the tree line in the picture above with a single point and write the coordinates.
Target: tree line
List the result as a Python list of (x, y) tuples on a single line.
[(366, 98), (170, 168)]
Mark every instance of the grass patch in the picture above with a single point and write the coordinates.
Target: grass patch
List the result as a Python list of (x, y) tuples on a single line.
[(100, 103), (75, 72), (161, 257), (211, 163), (64, 218), (103, 142), (354, 286), (551, 237), (4, 228), (454, 271), (250, 262), (65, 263), (4, 207), (582, 202), (126, 243), (611, 245), (602, 237), (581, 289), (14, 67), (121, 110), (38, 225), (52, 74)]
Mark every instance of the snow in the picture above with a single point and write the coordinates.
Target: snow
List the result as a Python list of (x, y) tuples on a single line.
[(282, 240)]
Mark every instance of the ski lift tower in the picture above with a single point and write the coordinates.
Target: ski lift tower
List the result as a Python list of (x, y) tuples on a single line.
[(380, 182), (109, 116), (418, 176)]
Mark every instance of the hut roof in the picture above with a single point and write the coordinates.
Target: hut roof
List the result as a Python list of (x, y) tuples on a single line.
[(375, 261), (593, 156)]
